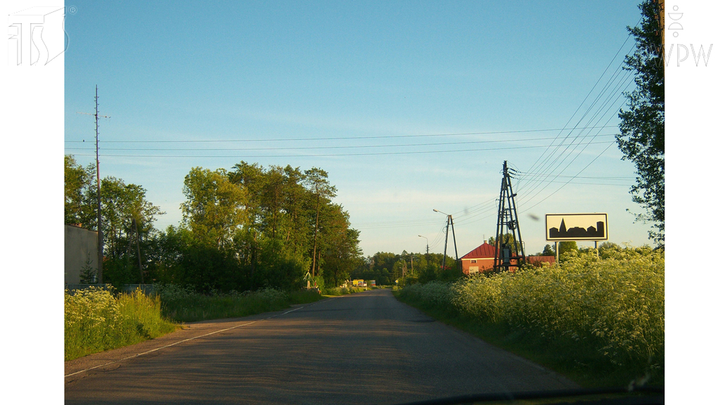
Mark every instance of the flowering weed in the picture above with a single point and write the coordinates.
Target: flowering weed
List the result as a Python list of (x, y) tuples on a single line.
[(609, 311), (96, 320)]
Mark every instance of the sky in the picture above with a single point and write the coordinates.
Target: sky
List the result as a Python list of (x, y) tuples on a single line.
[(409, 106)]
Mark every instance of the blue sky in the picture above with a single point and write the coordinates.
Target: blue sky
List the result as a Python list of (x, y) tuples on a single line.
[(409, 106)]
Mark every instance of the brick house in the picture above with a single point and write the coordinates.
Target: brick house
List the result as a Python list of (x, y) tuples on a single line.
[(482, 259), (479, 259)]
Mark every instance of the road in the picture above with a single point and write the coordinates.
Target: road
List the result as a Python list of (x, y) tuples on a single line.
[(356, 349)]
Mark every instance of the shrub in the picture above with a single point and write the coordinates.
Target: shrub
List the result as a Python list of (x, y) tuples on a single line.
[(97, 320), (613, 307)]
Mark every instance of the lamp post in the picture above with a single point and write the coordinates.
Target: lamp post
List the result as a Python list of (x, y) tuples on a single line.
[(447, 229), (427, 244)]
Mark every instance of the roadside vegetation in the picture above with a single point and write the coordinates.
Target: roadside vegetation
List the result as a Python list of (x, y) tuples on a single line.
[(99, 319), (599, 321), (186, 305), (336, 291)]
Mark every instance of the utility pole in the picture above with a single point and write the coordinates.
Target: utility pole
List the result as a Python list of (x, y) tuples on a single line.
[(100, 254), (447, 230), (507, 224)]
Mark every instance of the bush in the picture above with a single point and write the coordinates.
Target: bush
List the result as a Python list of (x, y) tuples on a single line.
[(97, 320), (612, 308), (186, 305)]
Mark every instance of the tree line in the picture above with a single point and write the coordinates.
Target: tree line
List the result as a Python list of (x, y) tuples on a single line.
[(406, 268), (246, 228)]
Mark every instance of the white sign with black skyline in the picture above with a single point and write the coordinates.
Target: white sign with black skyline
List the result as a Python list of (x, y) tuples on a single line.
[(560, 227)]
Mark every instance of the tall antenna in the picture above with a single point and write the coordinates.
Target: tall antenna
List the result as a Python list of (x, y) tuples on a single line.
[(506, 250), (100, 254)]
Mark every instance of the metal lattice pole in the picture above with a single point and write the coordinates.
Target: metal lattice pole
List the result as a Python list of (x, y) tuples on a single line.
[(507, 224)]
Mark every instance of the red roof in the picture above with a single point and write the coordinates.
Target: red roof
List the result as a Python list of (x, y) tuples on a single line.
[(536, 260), (483, 251)]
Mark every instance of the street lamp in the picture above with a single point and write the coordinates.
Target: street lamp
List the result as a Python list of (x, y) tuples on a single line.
[(447, 229), (427, 244)]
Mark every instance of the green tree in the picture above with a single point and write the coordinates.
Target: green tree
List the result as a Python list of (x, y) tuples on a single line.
[(214, 209), (642, 125), (126, 214), (338, 245), (78, 184), (317, 183), (548, 251), (256, 227), (567, 247), (127, 222)]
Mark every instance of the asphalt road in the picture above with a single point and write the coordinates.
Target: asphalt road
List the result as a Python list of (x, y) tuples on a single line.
[(365, 348)]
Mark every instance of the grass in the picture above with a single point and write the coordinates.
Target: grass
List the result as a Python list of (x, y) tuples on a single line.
[(183, 305), (97, 319), (337, 291), (598, 321)]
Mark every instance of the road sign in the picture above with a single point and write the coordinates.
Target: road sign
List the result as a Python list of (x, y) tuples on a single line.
[(560, 227)]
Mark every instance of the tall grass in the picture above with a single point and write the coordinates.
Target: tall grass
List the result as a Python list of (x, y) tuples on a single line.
[(96, 320), (335, 291), (185, 305), (602, 319)]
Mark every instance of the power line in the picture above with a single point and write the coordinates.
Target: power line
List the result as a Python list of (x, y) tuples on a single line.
[(551, 162), (338, 154), (334, 138), (342, 147)]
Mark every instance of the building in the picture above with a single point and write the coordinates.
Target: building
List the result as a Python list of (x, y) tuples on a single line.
[(482, 259), (80, 252), (538, 261)]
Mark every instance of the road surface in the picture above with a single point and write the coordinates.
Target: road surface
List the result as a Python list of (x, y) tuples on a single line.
[(365, 348)]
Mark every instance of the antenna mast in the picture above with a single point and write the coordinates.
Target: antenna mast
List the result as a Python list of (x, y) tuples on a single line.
[(100, 254)]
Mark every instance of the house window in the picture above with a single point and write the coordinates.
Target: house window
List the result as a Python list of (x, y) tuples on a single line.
[(473, 261)]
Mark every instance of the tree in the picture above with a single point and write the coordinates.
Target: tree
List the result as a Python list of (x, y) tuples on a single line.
[(642, 125), (566, 247), (127, 220), (548, 251), (214, 209), (127, 223), (254, 227), (317, 182), (78, 183)]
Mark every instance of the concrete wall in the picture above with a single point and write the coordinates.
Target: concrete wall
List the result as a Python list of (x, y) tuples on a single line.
[(80, 245)]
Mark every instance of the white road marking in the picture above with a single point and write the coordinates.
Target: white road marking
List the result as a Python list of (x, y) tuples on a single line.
[(177, 343)]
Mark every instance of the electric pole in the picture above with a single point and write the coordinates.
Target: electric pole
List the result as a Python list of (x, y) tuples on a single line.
[(447, 231), (97, 172), (507, 224)]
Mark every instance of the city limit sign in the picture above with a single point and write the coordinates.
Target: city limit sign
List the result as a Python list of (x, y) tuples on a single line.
[(560, 227)]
